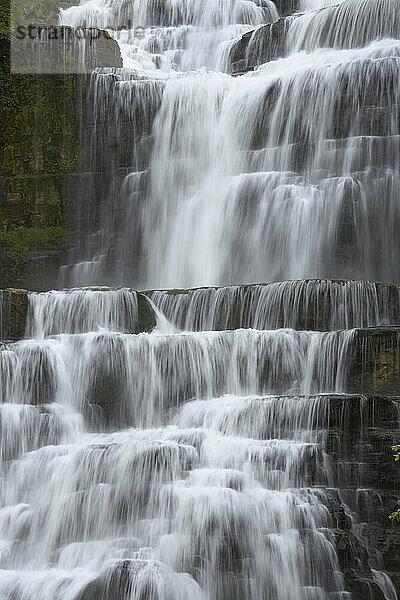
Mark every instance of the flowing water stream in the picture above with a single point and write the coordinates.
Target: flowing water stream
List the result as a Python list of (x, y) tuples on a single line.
[(192, 461), (312, 139)]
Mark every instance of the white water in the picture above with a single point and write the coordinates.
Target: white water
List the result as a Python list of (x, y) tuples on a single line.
[(278, 174), (177, 465), (210, 505), (322, 305), (245, 226), (161, 462), (80, 310), (347, 25), (113, 370)]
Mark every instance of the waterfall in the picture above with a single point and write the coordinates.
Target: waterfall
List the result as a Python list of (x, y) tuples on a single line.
[(230, 441), (311, 138), (248, 461), (294, 222), (321, 305), (198, 27), (112, 370), (207, 463), (350, 24), (80, 310)]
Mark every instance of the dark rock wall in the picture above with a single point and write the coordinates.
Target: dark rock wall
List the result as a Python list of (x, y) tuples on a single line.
[(361, 432), (40, 152), (13, 311)]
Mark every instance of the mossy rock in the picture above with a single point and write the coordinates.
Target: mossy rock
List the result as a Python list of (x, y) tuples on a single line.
[(375, 361), (40, 148), (41, 12)]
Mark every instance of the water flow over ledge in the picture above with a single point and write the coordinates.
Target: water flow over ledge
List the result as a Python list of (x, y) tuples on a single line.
[(285, 173), (227, 464)]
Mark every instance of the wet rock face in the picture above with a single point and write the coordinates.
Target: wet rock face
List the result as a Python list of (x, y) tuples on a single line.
[(287, 7), (257, 47), (362, 588), (361, 432), (146, 318), (13, 311), (376, 361), (141, 579), (41, 150), (372, 111)]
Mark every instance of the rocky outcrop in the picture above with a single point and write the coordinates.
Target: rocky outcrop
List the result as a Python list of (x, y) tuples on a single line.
[(41, 12), (61, 49), (259, 46), (13, 311), (345, 25)]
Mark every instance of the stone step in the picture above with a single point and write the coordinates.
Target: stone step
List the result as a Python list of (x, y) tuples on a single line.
[(315, 305), (372, 155), (24, 313), (134, 379), (347, 25), (362, 116), (356, 431)]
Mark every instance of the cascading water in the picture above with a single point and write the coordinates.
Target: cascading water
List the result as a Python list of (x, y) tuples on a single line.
[(321, 305), (347, 25), (211, 487), (198, 506), (288, 172), (194, 444)]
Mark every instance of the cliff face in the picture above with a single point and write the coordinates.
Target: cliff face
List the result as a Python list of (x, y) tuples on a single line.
[(39, 150), (40, 154)]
